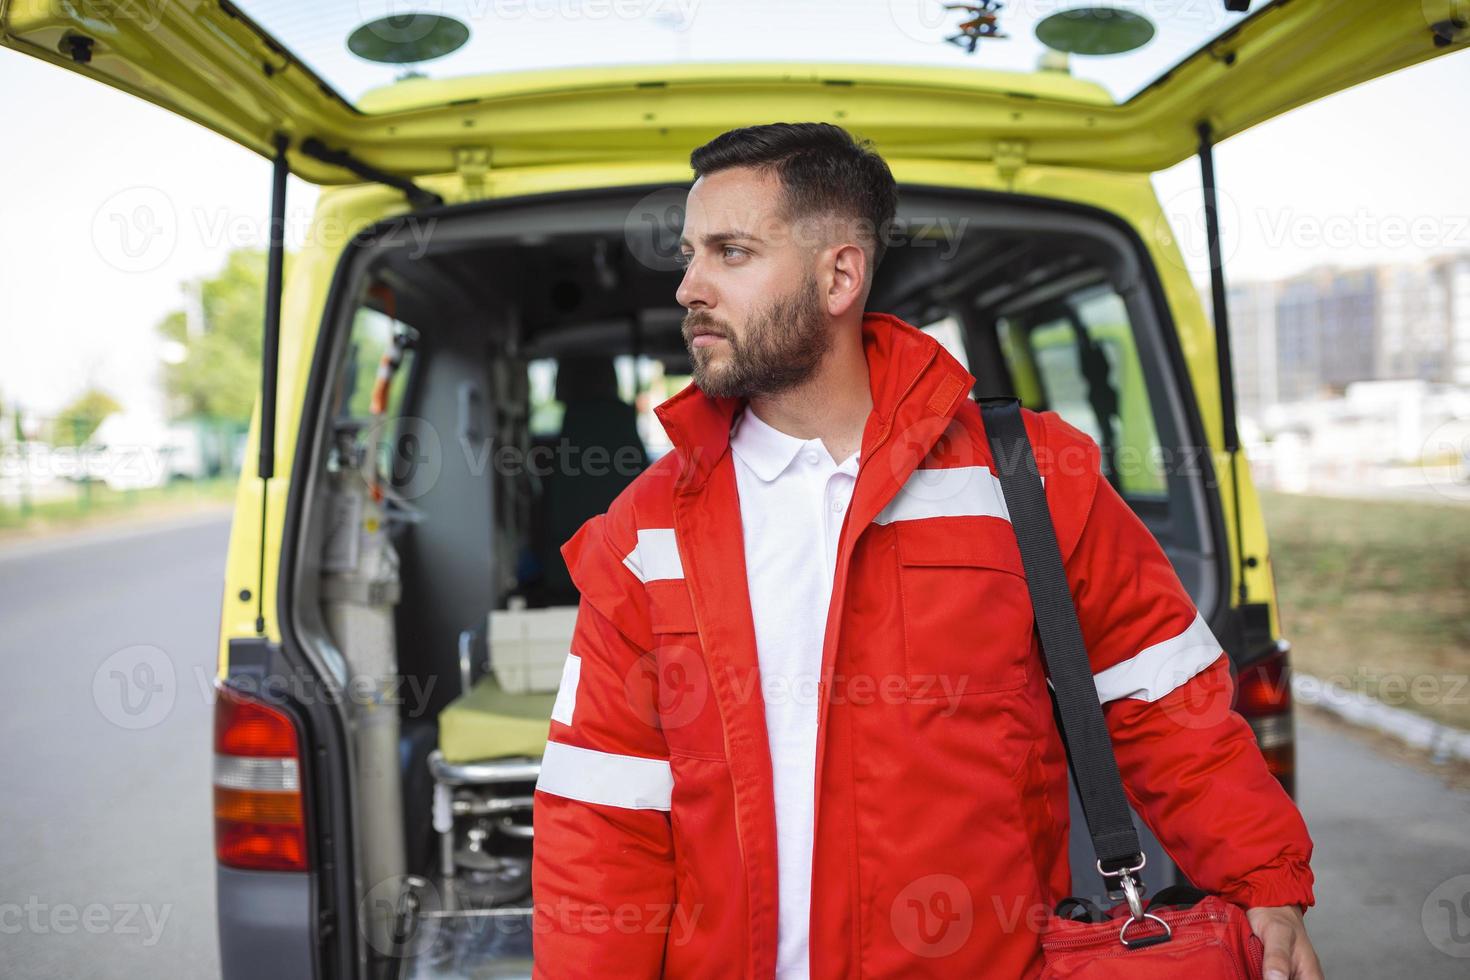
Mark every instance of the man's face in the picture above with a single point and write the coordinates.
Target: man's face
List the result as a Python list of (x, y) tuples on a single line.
[(755, 323)]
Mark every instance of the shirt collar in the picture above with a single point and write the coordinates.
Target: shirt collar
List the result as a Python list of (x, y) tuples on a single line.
[(768, 451), (764, 448)]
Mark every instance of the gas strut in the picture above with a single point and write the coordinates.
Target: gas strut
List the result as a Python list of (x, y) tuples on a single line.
[(270, 342), (1230, 431), (417, 196)]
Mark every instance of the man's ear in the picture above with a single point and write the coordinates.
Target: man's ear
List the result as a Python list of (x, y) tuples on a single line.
[(848, 283)]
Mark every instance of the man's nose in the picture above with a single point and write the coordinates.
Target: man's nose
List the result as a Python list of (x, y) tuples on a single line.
[(694, 288)]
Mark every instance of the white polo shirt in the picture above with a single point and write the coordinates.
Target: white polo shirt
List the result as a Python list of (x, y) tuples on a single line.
[(793, 498)]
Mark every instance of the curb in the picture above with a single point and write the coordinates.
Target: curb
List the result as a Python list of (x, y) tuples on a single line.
[(1444, 742)]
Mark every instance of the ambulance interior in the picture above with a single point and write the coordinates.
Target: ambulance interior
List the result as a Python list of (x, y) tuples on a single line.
[(451, 368)]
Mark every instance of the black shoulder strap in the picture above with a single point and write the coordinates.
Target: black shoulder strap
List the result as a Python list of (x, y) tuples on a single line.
[(1089, 748)]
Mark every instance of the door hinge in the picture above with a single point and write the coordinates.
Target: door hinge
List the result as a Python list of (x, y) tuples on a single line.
[(472, 163), (1010, 156)]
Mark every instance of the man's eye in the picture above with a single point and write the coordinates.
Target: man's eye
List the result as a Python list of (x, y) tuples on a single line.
[(731, 248), (684, 258)]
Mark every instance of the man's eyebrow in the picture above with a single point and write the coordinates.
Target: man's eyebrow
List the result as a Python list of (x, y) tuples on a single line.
[(716, 237)]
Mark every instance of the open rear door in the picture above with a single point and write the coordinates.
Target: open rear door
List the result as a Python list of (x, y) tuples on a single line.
[(1285, 54), (213, 61), (204, 61)]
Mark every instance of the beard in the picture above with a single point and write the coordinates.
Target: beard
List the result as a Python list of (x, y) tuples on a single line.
[(779, 348)]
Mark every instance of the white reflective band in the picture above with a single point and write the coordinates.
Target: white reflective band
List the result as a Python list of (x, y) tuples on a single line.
[(252, 772), (566, 692), (959, 491), (656, 555), (1156, 670), (628, 781)]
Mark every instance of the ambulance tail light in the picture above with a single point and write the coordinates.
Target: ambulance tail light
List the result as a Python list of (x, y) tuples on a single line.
[(259, 816), (1263, 697)]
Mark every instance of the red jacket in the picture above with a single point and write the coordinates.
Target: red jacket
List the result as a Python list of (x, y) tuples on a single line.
[(941, 781)]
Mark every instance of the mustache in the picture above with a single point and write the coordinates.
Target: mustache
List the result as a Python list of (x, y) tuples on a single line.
[(696, 321)]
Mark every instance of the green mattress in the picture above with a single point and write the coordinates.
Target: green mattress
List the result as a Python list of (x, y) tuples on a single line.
[(488, 723)]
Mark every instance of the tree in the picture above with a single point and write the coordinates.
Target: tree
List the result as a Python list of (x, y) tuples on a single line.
[(217, 369), (80, 418)]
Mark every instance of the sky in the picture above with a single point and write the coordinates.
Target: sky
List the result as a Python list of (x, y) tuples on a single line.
[(1374, 174)]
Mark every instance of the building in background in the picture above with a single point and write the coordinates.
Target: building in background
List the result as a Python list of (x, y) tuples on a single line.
[(1355, 380), (1252, 308), (1450, 278), (1413, 324), (1311, 335)]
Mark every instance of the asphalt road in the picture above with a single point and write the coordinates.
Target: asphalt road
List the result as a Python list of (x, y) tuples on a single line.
[(106, 861), (107, 855)]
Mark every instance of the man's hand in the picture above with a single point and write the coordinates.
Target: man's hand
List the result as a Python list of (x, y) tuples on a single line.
[(1289, 953)]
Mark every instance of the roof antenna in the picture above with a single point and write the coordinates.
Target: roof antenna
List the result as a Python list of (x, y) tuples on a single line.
[(1095, 31), (408, 40)]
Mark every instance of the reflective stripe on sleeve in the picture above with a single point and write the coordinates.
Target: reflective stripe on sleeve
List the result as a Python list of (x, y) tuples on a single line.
[(566, 692), (1158, 669), (629, 781)]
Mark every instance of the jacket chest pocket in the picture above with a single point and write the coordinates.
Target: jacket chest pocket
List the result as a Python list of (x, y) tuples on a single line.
[(676, 678), (967, 619)]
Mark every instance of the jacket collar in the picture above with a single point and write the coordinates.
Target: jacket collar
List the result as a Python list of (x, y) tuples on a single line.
[(910, 376)]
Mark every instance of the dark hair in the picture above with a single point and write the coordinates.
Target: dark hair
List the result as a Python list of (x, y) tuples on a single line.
[(823, 170)]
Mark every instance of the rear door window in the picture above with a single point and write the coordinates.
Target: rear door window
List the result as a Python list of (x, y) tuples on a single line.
[(1077, 357)]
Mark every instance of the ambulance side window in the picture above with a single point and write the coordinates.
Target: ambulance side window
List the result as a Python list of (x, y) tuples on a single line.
[(371, 336), (1078, 358)]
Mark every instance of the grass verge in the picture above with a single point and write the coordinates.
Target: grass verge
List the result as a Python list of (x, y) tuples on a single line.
[(1376, 595)]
